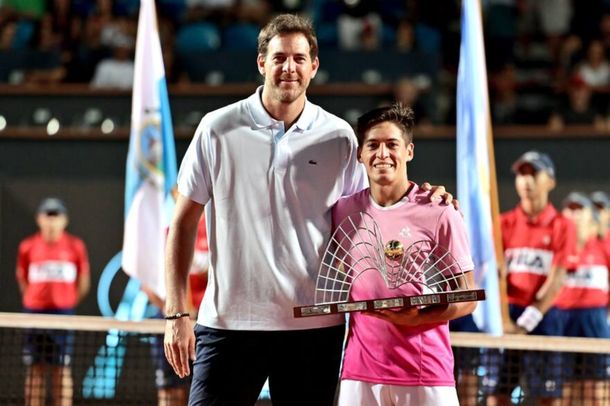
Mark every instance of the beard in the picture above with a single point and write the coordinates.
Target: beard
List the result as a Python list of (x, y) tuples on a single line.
[(287, 94)]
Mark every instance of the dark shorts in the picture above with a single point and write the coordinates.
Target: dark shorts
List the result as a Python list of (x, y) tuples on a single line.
[(590, 323), (46, 346), (231, 366), (482, 362), (542, 371)]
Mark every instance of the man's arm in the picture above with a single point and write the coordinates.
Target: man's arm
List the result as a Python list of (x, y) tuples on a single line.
[(534, 313), (83, 283), (21, 280), (550, 289), (179, 340)]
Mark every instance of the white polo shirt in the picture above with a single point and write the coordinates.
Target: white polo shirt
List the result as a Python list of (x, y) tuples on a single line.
[(269, 194)]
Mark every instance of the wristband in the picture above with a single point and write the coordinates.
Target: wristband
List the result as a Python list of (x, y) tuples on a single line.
[(175, 316), (530, 318)]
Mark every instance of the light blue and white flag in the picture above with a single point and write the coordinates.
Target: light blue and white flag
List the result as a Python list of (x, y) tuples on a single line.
[(473, 164), (151, 160)]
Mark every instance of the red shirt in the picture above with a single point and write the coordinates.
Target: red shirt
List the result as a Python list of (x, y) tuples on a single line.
[(532, 248), (52, 271), (587, 286), (197, 278)]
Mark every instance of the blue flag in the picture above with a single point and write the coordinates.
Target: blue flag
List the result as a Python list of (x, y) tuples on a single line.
[(151, 161), (473, 164)]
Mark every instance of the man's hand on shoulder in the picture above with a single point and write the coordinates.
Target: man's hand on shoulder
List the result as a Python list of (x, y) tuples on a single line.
[(439, 193)]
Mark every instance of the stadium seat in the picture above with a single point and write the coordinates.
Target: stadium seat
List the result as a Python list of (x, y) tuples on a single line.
[(240, 37), (17, 61), (428, 38), (173, 9), (327, 34), (385, 66), (221, 66), (24, 33), (197, 37)]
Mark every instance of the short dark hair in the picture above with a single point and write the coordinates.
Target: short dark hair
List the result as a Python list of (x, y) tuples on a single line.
[(288, 24), (397, 113)]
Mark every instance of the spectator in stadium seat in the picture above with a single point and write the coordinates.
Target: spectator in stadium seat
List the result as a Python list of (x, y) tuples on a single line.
[(405, 36), (89, 51), (359, 26), (577, 109), (415, 93), (221, 12), (552, 18), (539, 246), (506, 104), (604, 30), (49, 44), (583, 301), (595, 69), (7, 35), (117, 71), (53, 277)]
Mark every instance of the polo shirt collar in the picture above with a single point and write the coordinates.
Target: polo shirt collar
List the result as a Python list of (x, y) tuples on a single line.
[(262, 119), (543, 219)]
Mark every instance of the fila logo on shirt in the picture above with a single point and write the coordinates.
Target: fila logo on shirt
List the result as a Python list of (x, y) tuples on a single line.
[(52, 271), (529, 260), (588, 276)]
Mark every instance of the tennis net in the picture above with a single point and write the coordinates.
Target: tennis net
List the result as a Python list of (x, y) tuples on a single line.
[(531, 370), (121, 363)]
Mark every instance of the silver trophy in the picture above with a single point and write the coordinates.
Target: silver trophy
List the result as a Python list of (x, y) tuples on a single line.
[(357, 246)]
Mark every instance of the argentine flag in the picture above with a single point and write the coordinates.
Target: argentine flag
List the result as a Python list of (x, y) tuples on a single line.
[(151, 160), (473, 164)]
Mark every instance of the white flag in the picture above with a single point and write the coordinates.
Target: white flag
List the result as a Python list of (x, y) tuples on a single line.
[(151, 160)]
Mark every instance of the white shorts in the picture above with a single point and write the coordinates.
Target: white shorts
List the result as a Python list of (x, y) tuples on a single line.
[(368, 394)]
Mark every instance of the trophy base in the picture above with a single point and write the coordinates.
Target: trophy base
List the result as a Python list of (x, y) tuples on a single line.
[(390, 303)]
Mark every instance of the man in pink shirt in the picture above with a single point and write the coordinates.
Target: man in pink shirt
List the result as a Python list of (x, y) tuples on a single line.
[(400, 357)]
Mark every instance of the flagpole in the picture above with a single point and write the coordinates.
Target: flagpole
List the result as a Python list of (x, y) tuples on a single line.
[(497, 232), (495, 218)]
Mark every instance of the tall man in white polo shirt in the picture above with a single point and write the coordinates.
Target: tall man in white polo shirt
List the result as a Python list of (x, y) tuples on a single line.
[(269, 168)]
